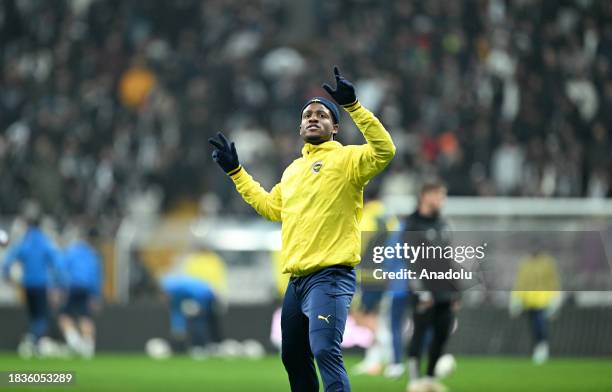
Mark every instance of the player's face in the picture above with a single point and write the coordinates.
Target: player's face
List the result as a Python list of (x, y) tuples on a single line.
[(435, 199), (317, 125)]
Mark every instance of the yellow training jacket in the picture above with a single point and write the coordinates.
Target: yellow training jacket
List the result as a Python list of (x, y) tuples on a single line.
[(537, 282), (319, 199)]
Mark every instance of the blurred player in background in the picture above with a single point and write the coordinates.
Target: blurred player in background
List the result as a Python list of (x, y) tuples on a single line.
[(375, 226), (319, 201), (434, 302), (41, 269), (193, 313), (536, 292), (205, 264), (83, 272), (399, 292)]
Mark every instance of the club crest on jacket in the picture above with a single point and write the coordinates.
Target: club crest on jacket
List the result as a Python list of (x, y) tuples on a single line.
[(316, 167)]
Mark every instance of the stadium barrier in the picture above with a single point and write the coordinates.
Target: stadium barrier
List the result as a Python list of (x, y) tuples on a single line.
[(578, 331)]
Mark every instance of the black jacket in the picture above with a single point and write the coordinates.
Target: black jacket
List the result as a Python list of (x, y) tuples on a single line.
[(433, 235)]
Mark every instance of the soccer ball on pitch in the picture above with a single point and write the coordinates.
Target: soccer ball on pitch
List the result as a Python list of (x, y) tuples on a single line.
[(230, 348), (49, 348), (251, 348), (158, 348), (445, 366)]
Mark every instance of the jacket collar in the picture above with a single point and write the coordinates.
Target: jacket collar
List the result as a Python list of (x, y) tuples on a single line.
[(314, 148)]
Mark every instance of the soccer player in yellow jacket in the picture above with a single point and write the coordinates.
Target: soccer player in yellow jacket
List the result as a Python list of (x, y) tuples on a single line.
[(319, 201), (536, 291)]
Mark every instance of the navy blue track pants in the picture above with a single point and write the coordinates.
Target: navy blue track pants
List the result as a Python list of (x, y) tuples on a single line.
[(313, 318)]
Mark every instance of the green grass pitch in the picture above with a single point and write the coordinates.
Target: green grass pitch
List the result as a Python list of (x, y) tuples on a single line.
[(139, 373)]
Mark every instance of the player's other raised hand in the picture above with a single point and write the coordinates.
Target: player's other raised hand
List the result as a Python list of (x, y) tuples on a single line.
[(344, 93), (225, 153)]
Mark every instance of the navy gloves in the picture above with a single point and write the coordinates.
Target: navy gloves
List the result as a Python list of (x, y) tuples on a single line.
[(344, 94), (225, 153)]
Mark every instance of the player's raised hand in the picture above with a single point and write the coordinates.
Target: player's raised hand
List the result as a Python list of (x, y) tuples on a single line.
[(344, 94), (225, 153)]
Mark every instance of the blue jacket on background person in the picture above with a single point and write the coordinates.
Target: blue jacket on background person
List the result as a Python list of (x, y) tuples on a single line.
[(180, 287), (38, 256), (83, 269)]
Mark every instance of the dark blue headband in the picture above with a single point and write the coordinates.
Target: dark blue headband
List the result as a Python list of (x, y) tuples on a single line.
[(328, 104)]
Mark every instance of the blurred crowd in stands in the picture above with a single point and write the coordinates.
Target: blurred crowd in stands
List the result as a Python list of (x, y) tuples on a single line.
[(106, 102)]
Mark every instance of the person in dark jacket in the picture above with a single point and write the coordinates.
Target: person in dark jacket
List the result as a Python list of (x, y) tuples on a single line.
[(434, 301)]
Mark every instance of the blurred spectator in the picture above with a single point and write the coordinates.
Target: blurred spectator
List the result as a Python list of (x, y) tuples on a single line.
[(135, 85), (507, 166)]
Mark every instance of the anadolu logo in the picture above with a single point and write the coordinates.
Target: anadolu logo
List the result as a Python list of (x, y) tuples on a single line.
[(316, 167)]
